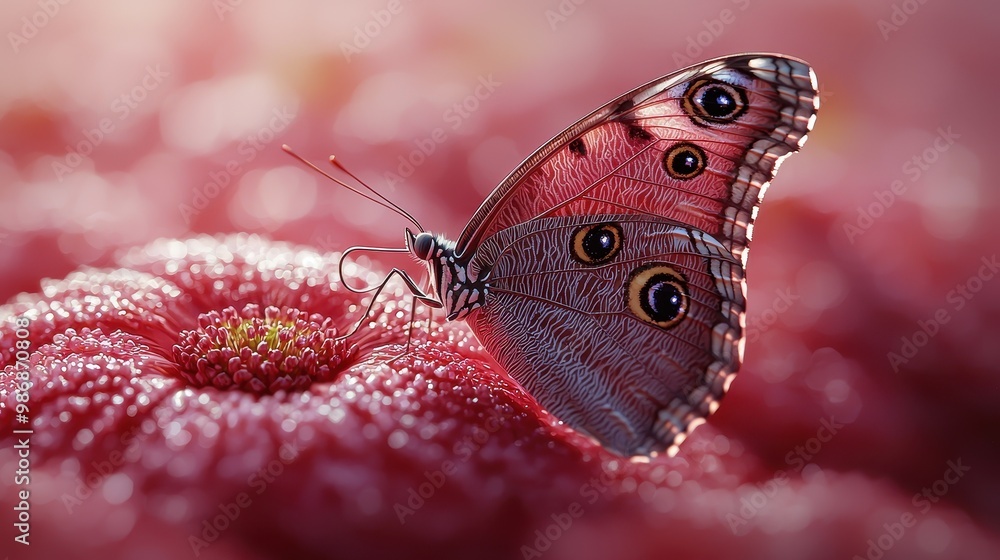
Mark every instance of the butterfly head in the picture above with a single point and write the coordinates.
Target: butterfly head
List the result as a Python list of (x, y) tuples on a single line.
[(458, 290), (422, 245)]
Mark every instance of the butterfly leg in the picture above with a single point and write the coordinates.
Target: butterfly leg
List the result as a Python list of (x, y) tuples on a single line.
[(377, 289), (430, 321), (418, 295), (409, 330)]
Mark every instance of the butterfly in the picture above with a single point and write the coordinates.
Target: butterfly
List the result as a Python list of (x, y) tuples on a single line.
[(605, 274)]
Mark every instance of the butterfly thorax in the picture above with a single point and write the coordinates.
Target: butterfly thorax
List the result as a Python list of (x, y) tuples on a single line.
[(459, 290)]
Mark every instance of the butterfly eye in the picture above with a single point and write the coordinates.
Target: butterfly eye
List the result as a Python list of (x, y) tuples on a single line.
[(658, 294), (709, 101), (423, 244), (596, 243), (684, 161)]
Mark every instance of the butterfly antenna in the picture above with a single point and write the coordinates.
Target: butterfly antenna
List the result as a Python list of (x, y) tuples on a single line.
[(381, 200), (336, 163)]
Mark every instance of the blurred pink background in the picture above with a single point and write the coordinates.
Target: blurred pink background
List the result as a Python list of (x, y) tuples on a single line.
[(122, 122)]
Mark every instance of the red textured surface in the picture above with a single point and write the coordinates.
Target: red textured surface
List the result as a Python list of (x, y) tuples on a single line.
[(436, 451), (843, 272), (177, 452)]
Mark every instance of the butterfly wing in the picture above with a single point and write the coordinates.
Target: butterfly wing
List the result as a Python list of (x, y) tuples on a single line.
[(613, 159), (631, 348), (637, 348)]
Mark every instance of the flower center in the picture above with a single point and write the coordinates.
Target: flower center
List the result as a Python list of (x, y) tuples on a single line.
[(279, 349)]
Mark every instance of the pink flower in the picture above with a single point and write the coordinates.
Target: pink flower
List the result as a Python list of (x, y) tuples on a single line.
[(279, 351), (197, 401)]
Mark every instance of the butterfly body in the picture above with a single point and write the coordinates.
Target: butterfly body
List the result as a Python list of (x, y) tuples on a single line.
[(459, 290), (606, 273)]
